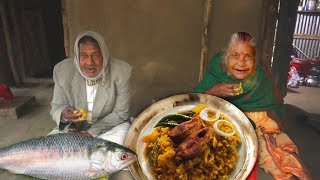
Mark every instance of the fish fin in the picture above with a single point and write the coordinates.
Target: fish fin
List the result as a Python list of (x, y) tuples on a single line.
[(92, 171)]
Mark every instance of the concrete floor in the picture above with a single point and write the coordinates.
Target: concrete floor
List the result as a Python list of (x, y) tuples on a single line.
[(301, 103)]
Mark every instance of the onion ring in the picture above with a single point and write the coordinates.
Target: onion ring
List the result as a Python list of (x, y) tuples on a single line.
[(205, 117), (221, 133)]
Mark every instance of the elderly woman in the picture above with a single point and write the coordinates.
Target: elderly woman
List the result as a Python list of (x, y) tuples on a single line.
[(237, 77)]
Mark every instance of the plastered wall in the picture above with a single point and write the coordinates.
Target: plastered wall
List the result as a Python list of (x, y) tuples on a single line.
[(232, 16), (160, 39)]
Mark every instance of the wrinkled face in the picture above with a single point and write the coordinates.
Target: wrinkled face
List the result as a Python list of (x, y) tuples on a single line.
[(90, 59), (241, 61)]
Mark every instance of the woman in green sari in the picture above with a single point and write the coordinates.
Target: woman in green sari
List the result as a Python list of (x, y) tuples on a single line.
[(237, 77)]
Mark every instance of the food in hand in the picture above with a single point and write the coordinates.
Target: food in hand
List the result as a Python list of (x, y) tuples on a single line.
[(83, 113), (239, 89)]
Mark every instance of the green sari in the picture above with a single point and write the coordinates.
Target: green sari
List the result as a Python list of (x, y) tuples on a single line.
[(259, 91)]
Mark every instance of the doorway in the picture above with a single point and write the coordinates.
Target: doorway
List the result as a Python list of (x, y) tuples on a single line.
[(279, 18), (38, 39)]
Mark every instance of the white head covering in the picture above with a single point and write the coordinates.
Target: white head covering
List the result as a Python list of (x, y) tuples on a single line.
[(104, 51)]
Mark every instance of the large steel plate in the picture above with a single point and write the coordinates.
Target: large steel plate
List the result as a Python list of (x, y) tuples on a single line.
[(145, 122)]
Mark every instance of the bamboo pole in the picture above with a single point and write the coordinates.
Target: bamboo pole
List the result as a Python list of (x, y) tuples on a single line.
[(205, 38), (295, 47), (8, 43)]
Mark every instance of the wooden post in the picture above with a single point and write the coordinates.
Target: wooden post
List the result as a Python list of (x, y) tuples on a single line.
[(306, 36), (18, 43), (8, 43), (283, 44), (265, 41), (205, 38), (65, 27)]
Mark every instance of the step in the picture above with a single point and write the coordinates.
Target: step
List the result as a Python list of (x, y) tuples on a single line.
[(17, 107)]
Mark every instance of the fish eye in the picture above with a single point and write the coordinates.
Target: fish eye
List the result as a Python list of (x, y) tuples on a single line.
[(123, 156)]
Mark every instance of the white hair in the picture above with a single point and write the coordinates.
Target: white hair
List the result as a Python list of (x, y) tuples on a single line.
[(239, 37)]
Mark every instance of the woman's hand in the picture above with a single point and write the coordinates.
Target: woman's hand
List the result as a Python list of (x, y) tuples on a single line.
[(224, 90)]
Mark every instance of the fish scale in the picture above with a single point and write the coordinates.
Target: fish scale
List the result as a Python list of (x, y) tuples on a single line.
[(65, 156)]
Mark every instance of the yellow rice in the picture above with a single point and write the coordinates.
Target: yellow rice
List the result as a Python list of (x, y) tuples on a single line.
[(218, 159), (199, 108)]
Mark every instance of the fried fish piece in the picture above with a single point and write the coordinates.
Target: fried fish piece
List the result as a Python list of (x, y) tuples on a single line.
[(192, 145), (182, 131)]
